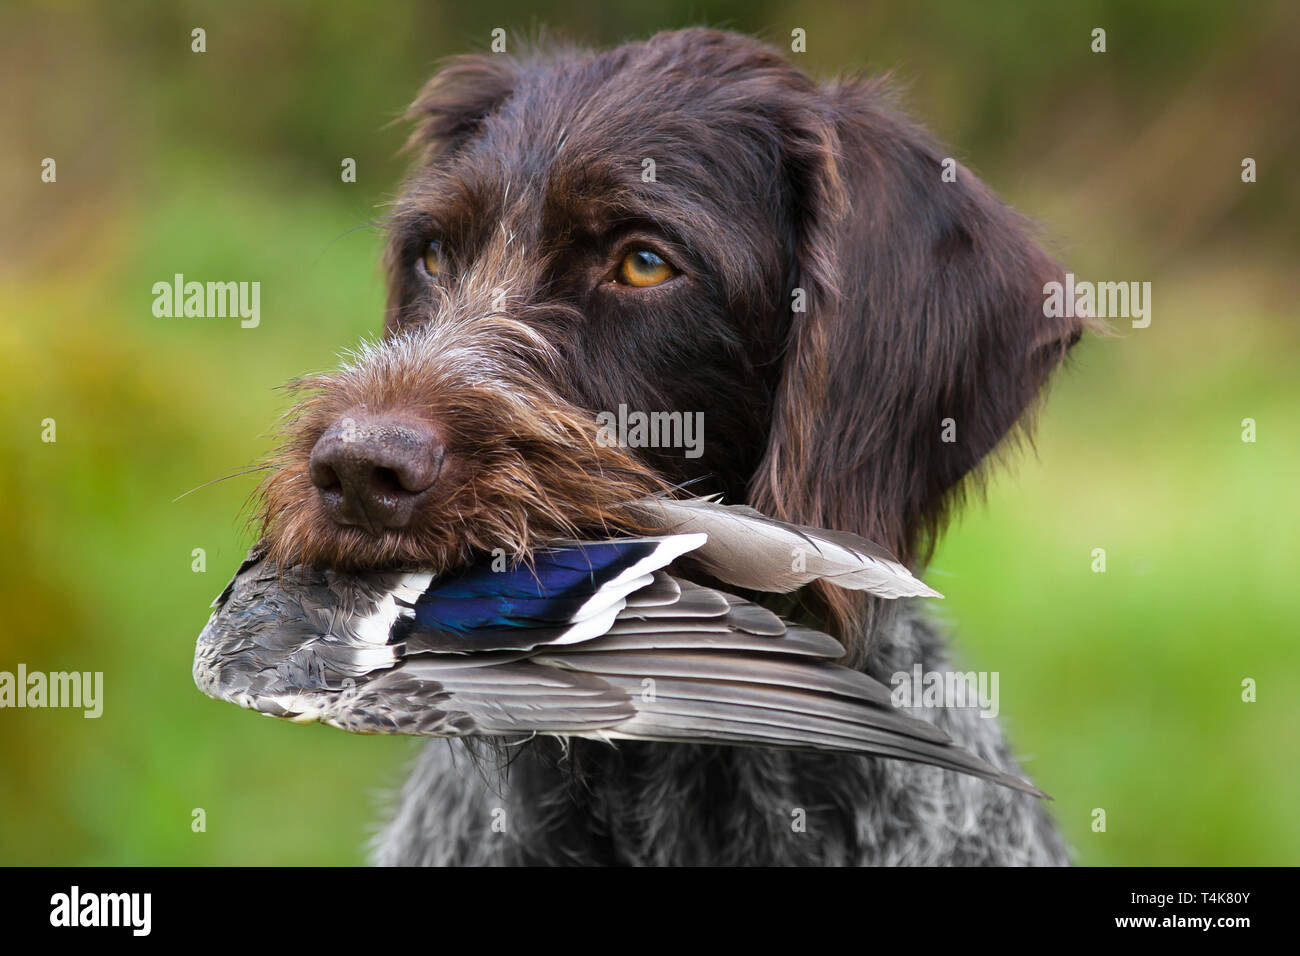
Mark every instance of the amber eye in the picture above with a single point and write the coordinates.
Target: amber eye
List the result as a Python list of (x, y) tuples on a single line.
[(642, 268), (432, 258)]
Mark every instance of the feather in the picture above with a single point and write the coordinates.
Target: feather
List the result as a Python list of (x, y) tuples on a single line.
[(747, 549), (570, 592), (662, 590), (596, 639)]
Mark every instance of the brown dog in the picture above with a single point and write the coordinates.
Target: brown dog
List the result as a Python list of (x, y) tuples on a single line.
[(686, 225)]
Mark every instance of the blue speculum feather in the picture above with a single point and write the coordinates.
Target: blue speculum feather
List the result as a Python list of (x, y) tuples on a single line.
[(551, 591)]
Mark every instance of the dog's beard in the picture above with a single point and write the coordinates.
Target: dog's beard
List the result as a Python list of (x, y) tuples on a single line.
[(524, 465)]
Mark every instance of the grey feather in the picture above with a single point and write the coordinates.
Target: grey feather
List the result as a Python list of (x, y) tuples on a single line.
[(664, 590), (747, 549), (681, 662)]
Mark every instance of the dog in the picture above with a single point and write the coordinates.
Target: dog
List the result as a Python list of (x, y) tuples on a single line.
[(688, 225)]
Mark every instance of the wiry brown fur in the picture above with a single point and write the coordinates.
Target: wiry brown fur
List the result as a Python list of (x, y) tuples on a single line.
[(528, 465)]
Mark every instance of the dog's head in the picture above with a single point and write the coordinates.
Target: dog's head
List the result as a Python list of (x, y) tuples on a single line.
[(687, 225)]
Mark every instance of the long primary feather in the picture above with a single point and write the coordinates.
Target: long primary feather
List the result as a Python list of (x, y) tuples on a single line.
[(747, 549)]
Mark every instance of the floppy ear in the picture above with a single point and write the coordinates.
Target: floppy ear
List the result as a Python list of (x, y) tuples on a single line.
[(924, 339), (464, 91)]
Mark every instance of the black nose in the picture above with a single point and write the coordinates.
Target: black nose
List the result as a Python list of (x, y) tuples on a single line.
[(372, 470)]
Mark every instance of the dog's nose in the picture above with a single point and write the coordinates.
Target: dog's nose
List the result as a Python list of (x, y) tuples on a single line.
[(372, 470)]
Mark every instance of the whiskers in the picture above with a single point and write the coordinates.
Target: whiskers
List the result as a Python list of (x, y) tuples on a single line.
[(234, 474)]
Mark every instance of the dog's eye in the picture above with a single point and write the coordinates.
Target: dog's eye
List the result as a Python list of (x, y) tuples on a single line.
[(431, 261), (642, 268)]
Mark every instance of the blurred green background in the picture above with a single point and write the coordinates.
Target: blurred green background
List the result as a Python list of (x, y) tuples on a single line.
[(1122, 690)]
